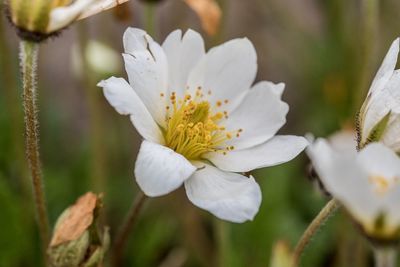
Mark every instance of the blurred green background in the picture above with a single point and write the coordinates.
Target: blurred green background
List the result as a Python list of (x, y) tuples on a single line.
[(326, 51)]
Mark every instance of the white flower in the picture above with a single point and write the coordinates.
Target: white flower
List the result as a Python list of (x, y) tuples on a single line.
[(366, 183), (379, 118), (201, 119)]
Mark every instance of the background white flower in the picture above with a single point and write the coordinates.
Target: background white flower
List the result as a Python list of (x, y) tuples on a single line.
[(201, 119), (366, 183), (379, 118)]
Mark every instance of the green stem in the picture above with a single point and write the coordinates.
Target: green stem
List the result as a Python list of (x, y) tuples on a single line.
[(385, 257), (222, 237), (150, 21), (126, 228), (29, 57), (315, 225)]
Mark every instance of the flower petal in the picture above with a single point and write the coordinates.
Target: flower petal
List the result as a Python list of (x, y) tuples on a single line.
[(379, 160), (147, 69), (100, 6), (183, 53), (380, 104), (61, 17), (226, 72), (346, 181), (159, 170), (125, 101), (279, 149), (386, 69), (260, 115), (229, 196)]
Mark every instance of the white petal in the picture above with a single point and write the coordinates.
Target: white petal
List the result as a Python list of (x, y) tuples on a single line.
[(379, 160), (229, 196), (346, 180), (392, 209), (227, 71), (100, 6), (380, 103), (386, 70), (260, 115), (182, 54), (147, 69), (122, 97), (159, 170), (344, 141), (391, 137), (61, 17), (279, 149)]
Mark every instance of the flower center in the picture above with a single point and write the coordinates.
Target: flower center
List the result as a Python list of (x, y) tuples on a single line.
[(192, 129)]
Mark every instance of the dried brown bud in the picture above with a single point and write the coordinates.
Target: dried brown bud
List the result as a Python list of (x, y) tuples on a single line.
[(77, 240)]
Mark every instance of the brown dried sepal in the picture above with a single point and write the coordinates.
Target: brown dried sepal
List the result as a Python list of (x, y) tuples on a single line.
[(76, 221), (209, 13)]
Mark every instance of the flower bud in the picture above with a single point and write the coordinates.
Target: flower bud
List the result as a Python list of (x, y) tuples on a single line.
[(36, 20), (77, 240), (379, 117)]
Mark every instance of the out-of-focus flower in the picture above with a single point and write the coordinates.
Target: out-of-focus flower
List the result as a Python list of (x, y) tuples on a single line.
[(37, 19), (77, 240), (209, 13), (379, 118), (343, 141), (101, 59), (366, 183), (202, 120)]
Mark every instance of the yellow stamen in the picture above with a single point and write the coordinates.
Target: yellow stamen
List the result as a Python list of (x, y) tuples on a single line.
[(192, 129)]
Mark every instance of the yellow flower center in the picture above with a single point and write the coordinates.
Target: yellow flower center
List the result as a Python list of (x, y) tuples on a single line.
[(382, 184), (192, 129)]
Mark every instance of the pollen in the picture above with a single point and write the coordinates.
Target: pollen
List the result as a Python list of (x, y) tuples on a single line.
[(192, 129), (380, 183)]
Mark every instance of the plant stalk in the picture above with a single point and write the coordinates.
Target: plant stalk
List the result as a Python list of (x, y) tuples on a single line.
[(126, 228), (312, 229), (29, 58)]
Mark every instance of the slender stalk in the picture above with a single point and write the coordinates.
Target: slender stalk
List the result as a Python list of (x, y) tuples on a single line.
[(223, 244), (314, 226), (126, 228), (29, 57), (385, 257), (150, 21)]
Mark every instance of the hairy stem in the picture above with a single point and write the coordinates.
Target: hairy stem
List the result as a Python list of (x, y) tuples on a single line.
[(385, 257), (126, 228), (314, 226), (28, 57)]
